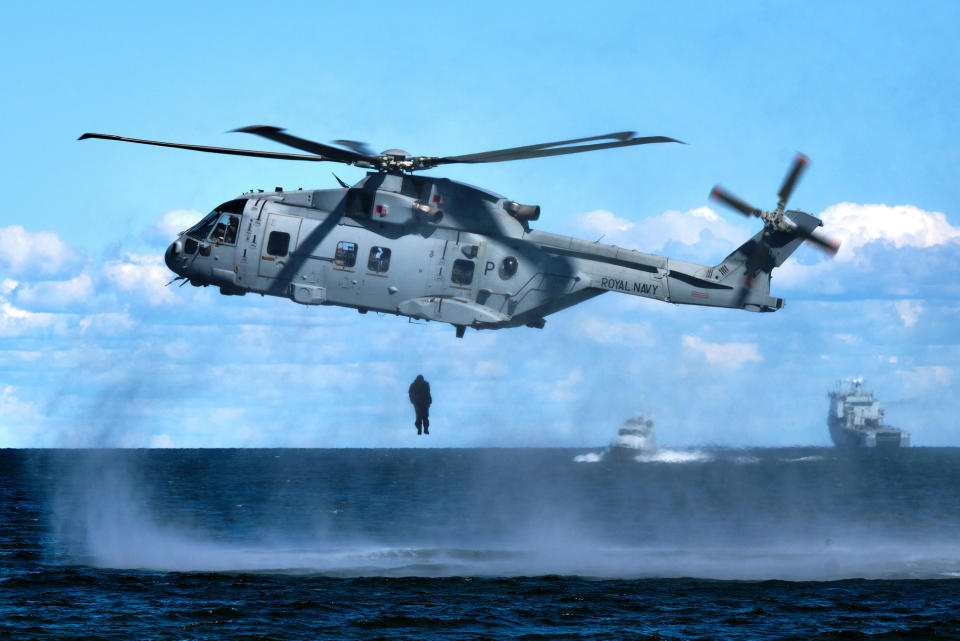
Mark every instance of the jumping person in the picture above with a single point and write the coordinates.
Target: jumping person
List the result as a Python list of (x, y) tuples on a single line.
[(420, 397)]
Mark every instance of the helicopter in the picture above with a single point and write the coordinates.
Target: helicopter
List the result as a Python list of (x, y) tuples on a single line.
[(435, 249)]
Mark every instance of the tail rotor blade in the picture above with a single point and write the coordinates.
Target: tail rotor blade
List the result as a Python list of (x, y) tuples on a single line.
[(799, 165), (724, 196), (827, 244)]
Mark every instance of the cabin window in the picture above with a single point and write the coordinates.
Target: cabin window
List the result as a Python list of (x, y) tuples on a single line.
[(508, 267), (226, 230), (190, 246), (379, 261), (462, 272), (346, 255), (278, 243)]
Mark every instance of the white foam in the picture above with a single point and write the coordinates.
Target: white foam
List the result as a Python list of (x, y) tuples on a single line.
[(674, 456), (589, 457)]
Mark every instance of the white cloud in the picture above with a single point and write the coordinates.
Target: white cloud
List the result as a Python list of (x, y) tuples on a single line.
[(20, 421), (161, 440), (7, 286), (565, 388), (899, 251), (24, 253), (901, 225), (170, 224), (909, 311), (729, 355), (605, 222), (653, 234), (926, 377), (489, 368), (607, 331), (17, 322), (143, 276), (57, 293), (108, 324)]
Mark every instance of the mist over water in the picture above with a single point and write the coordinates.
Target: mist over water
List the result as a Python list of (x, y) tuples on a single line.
[(791, 514)]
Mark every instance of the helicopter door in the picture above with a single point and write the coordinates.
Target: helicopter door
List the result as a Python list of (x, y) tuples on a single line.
[(436, 266), (279, 242)]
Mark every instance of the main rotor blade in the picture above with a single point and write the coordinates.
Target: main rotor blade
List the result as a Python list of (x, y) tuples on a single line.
[(724, 196), (329, 153), (356, 145), (622, 139), (799, 165), (212, 150)]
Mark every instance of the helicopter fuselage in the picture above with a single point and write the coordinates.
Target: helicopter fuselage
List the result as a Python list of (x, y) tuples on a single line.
[(436, 249)]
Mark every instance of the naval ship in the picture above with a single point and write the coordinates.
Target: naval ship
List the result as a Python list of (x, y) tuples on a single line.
[(634, 438), (856, 420)]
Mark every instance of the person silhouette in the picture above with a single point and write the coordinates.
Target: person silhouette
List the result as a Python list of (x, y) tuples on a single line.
[(419, 393)]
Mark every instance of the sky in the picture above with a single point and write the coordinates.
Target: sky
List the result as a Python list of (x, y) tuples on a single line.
[(96, 350)]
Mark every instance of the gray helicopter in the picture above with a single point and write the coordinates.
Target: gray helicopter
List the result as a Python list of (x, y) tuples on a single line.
[(435, 249)]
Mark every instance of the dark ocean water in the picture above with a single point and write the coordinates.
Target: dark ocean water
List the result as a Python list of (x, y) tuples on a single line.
[(479, 544)]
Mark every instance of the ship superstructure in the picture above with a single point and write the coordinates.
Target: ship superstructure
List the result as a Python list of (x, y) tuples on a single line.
[(856, 419), (634, 438)]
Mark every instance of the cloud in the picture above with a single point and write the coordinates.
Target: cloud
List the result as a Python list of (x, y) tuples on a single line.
[(608, 331), (728, 355), (900, 252), (56, 293), (926, 377), (19, 322), (909, 311), (106, 324), (20, 421), (145, 277), (565, 389), (165, 230), (900, 226), (698, 235), (36, 254), (161, 441)]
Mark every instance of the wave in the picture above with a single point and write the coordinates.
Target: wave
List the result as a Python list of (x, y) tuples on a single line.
[(722, 563), (674, 456), (589, 457)]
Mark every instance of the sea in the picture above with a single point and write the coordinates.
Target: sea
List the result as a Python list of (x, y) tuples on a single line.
[(787, 543)]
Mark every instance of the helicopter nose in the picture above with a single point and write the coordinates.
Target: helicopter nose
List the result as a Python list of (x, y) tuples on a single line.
[(170, 258)]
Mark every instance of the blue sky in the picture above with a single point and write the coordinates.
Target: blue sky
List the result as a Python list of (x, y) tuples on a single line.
[(95, 351)]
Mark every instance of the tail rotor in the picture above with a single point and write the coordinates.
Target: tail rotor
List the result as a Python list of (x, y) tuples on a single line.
[(775, 221)]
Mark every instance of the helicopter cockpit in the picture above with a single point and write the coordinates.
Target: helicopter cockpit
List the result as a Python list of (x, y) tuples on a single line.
[(220, 225)]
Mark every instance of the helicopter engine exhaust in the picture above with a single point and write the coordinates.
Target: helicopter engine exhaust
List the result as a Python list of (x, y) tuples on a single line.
[(522, 212)]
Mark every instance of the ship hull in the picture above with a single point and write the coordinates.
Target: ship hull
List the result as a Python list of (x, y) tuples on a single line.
[(882, 438)]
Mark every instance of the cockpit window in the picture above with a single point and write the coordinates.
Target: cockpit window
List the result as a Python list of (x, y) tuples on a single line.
[(226, 230), (232, 207), (201, 229)]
